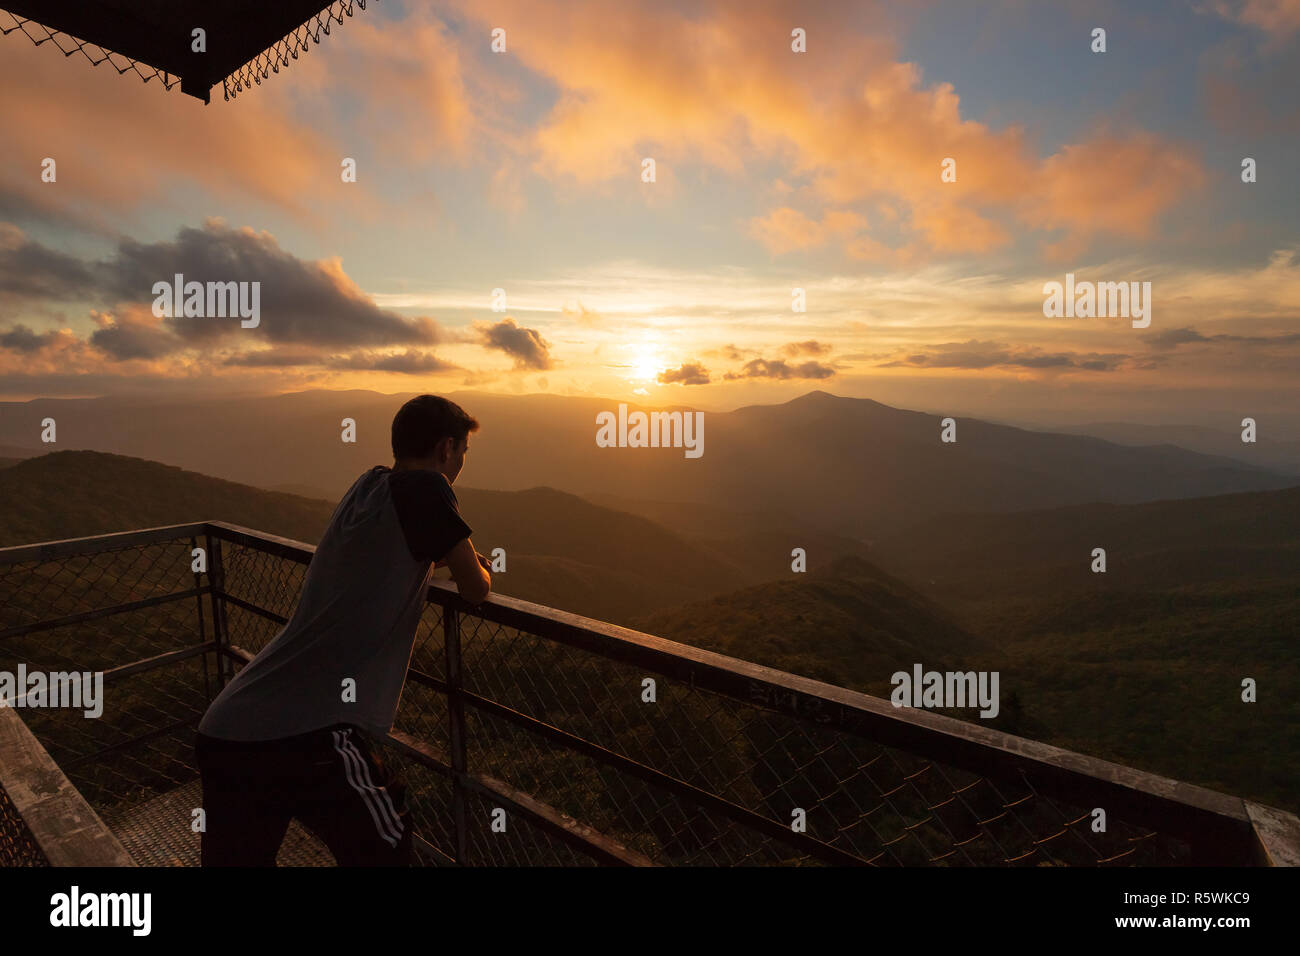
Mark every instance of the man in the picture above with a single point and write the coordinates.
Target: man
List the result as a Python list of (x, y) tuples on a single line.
[(288, 737)]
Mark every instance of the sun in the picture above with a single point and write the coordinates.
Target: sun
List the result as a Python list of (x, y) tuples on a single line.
[(646, 365), (648, 370)]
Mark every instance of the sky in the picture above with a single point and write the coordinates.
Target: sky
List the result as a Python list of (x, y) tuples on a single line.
[(776, 169)]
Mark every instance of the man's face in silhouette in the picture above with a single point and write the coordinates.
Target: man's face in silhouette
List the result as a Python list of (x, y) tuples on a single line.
[(451, 457)]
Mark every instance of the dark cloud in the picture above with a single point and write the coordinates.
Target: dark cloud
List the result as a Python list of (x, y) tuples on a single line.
[(779, 368), (29, 270), (1176, 337), (274, 358), (20, 338), (525, 346), (690, 373), (1289, 338), (1172, 338), (1043, 361), (411, 361), (981, 355), (299, 301), (134, 337)]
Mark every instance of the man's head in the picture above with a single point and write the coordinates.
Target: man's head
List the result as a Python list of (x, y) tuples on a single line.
[(431, 432)]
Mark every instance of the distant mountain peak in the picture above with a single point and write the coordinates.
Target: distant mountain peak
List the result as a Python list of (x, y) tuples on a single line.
[(816, 395), (818, 398)]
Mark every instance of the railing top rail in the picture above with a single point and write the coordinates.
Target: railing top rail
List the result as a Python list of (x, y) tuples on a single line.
[(1147, 797), (91, 544), (295, 550), (65, 827)]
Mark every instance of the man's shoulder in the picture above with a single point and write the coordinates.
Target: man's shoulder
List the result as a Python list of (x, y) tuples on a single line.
[(419, 477), (418, 483)]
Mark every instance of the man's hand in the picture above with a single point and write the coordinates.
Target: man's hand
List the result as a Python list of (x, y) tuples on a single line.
[(484, 562), (469, 572)]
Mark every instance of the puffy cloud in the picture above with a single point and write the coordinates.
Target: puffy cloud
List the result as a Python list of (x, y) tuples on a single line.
[(781, 369), (852, 124), (689, 373), (411, 362), (300, 301), (20, 338), (1139, 175), (133, 333), (30, 270), (1171, 338), (525, 346)]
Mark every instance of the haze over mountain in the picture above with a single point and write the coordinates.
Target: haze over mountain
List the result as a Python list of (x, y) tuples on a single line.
[(1164, 544), (1281, 455), (73, 494), (842, 466), (561, 550)]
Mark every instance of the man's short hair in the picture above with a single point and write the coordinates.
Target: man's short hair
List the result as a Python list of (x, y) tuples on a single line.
[(426, 420)]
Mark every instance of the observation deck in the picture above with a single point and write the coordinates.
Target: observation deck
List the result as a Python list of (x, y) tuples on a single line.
[(539, 712)]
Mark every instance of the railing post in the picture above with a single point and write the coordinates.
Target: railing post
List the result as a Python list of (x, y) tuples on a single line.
[(198, 600), (456, 723), (217, 580)]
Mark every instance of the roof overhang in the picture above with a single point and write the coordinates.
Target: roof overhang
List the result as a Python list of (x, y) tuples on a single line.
[(246, 40)]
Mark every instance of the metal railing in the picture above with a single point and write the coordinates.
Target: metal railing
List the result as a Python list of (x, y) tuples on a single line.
[(600, 744)]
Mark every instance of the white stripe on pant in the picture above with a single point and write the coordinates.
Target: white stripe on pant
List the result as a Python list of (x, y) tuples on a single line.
[(376, 799)]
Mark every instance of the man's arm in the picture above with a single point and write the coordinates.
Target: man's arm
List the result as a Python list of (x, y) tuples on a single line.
[(471, 577)]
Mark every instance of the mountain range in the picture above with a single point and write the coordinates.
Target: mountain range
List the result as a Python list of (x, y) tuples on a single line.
[(839, 466)]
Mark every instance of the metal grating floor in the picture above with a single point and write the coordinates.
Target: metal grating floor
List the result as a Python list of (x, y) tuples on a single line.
[(157, 833)]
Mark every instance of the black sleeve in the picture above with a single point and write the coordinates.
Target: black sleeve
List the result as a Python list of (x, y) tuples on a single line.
[(428, 512)]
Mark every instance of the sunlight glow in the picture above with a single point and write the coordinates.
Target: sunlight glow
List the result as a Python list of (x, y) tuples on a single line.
[(645, 364)]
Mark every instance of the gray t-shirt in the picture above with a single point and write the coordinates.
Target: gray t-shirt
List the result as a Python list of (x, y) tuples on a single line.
[(356, 617)]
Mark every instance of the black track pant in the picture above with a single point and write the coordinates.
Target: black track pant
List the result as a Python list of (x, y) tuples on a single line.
[(330, 780)]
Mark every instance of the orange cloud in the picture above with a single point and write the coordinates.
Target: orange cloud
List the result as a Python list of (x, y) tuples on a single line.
[(785, 229), (1278, 17), (120, 143), (723, 87), (954, 228), (1109, 185), (410, 75)]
